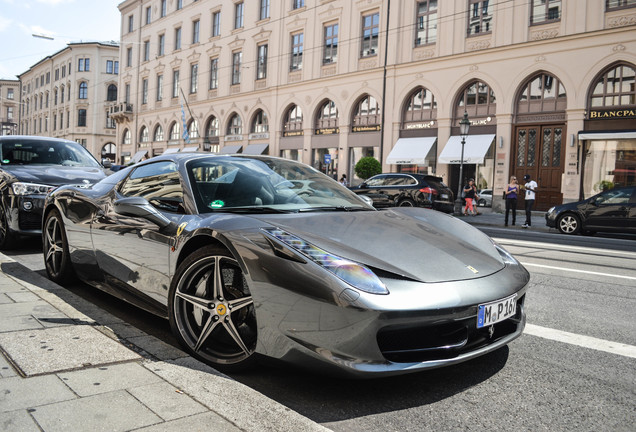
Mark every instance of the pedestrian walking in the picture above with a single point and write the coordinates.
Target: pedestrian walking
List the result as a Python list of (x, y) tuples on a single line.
[(343, 180), (530, 187), (511, 192), (470, 194)]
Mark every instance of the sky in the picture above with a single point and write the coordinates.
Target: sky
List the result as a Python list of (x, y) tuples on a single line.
[(63, 20)]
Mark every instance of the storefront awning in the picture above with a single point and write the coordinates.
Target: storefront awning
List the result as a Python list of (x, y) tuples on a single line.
[(255, 149), (231, 149), (606, 135), (475, 149), (138, 156), (189, 149), (171, 150), (410, 151)]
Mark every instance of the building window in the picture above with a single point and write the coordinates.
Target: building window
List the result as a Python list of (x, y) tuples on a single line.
[(81, 117), (327, 116), (421, 108), (144, 91), (177, 38), (127, 93), (543, 93), (158, 135), (194, 78), (264, 9), (235, 125), (478, 99), (46, 105), (216, 24), (175, 131), (179, 4), (128, 59), (63, 73), (109, 66), (260, 124), (126, 138), (10, 93), (57, 74), (110, 123), (544, 11), (238, 15), (619, 4), (330, 54), (195, 31), (83, 90), (617, 87), (159, 87), (9, 113), (370, 31), (111, 93), (426, 25), (143, 135), (237, 58), (479, 17), (146, 50), (130, 24), (175, 83), (116, 67), (162, 45), (83, 65), (261, 66), (213, 128), (61, 96), (148, 15), (164, 8), (48, 77), (296, 62), (297, 4), (214, 73), (367, 113), (293, 120), (55, 97), (193, 129)]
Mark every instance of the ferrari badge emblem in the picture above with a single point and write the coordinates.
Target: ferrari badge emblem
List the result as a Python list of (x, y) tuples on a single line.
[(221, 309)]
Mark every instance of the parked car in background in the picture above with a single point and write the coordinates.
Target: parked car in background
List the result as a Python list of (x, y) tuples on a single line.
[(613, 210), (30, 167), (485, 198), (407, 190)]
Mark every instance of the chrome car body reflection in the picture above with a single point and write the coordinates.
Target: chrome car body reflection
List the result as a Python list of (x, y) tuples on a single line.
[(252, 255)]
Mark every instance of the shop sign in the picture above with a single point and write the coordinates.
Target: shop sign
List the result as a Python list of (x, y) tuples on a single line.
[(613, 114), (293, 133), (480, 122), (367, 128), (327, 131), (420, 125), (258, 136), (233, 138)]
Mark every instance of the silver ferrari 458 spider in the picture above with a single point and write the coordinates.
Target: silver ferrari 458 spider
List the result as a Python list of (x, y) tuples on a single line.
[(252, 256)]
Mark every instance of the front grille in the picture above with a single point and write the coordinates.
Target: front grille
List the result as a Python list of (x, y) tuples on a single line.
[(442, 340), (30, 220)]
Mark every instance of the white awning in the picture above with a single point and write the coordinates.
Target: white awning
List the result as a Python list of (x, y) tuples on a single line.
[(231, 149), (606, 135), (475, 149), (255, 149), (138, 156), (410, 151), (190, 149), (170, 150)]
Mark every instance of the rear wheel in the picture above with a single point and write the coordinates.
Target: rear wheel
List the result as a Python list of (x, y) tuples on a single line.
[(57, 259), (211, 310), (406, 202), (569, 224)]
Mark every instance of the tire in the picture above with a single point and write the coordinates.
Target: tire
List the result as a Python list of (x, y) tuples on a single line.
[(406, 202), (215, 322), (57, 259), (7, 239), (481, 203), (569, 223)]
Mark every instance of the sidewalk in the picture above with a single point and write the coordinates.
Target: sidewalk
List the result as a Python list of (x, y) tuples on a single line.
[(66, 365), (490, 218)]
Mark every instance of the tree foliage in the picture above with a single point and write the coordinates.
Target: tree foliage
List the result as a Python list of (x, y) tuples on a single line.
[(368, 167)]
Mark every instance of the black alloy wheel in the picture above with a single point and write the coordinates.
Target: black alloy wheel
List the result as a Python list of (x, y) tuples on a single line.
[(569, 223), (211, 310), (57, 259), (406, 202)]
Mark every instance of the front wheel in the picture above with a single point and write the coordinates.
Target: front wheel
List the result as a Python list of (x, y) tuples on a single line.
[(407, 202), (569, 224), (57, 259), (211, 310)]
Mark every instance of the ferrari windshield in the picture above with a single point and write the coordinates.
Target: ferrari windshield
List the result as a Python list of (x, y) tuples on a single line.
[(29, 151), (237, 183)]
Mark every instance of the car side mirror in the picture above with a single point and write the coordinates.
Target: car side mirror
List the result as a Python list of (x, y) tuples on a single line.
[(362, 185), (140, 207), (106, 163)]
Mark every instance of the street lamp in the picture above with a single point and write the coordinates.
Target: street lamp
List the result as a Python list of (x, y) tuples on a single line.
[(464, 127)]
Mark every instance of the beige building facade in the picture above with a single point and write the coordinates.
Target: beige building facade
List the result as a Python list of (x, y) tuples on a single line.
[(9, 105), (65, 95), (548, 86)]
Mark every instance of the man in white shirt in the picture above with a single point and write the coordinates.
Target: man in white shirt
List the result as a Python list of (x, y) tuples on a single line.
[(531, 188)]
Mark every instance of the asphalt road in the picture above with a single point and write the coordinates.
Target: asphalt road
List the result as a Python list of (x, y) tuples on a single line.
[(573, 370)]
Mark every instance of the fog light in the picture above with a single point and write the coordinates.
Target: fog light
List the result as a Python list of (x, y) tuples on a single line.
[(27, 205)]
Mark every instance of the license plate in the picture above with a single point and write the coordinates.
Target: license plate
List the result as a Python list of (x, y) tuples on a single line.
[(491, 313), (444, 196)]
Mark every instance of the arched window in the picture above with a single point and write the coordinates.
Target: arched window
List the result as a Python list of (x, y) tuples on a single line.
[(293, 119), (327, 115), (212, 129), (126, 137), (367, 114), (108, 151), (175, 131), (260, 123), (235, 125), (111, 94), (158, 135), (478, 100), (83, 90), (143, 135), (541, 93), (420, 107), (615, 87), (193, 129)]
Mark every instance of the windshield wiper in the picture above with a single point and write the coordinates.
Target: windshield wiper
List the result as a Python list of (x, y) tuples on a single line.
[(335, 208), (258, 209)]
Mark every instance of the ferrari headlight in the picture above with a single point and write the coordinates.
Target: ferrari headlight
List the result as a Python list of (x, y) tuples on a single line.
[(505, 255), (20, 188), (356, 275)]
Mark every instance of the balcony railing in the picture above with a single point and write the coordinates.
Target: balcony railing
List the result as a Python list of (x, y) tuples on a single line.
[(120, 112)]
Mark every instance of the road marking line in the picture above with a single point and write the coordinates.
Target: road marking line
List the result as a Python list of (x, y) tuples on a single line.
[(582, 341), (522, 243), (579, 271)]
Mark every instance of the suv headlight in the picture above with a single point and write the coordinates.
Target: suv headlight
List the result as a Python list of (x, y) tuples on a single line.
[(20, 188)]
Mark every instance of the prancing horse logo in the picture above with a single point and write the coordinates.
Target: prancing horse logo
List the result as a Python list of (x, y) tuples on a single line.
[(221, 309)]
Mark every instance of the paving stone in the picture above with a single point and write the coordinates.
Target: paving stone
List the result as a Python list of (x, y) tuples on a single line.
[(108, 412), (22, 296), (6, 370), (62, 348), (19, 420), (4, 299), (15, 323), (201, 422), (167, 401), (37, 308), (105, 379), (21, 393)]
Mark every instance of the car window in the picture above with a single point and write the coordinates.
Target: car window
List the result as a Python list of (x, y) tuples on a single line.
[(614, 196), (45, 152), (159, 183), (400, 181), (377, 181)]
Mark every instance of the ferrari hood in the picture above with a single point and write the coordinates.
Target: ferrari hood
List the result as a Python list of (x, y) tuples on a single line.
[(56, 175), (419, 244)]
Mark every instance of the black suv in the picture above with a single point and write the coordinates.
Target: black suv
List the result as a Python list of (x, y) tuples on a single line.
[(407, 190)]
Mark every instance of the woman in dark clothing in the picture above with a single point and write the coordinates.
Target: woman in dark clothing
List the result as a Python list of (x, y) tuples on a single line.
[(470, 193), (511, 199)]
